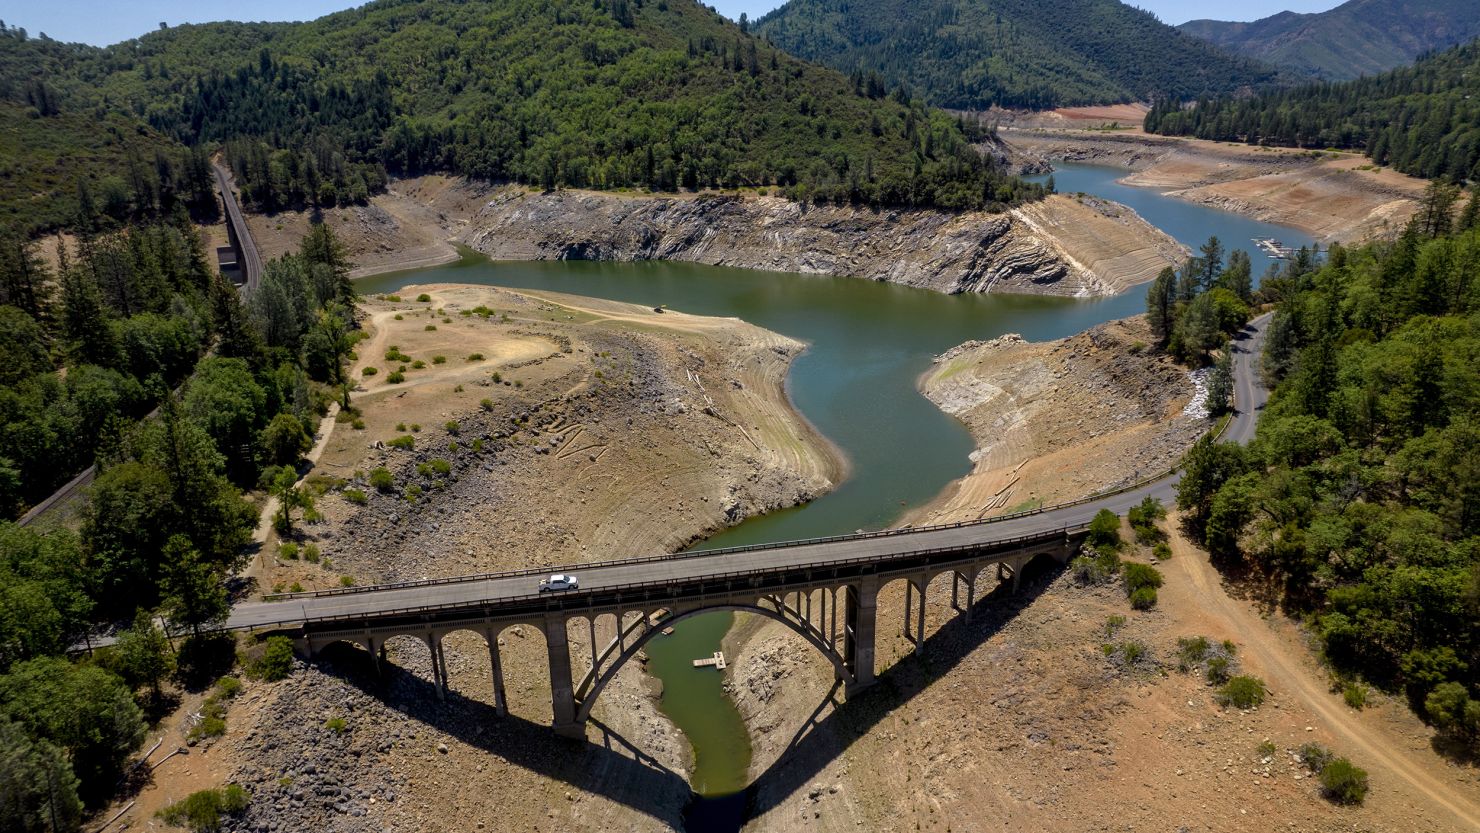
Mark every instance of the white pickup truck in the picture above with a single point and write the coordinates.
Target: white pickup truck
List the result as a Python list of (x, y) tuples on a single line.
[(559, 581)]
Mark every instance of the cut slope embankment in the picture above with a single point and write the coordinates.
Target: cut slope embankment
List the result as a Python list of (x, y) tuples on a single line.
[(1060, 246), (1334, 196)]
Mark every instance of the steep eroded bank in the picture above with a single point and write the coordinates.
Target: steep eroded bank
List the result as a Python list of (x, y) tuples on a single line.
[(1063, 245)]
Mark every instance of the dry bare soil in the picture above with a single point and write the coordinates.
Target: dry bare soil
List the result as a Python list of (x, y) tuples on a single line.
[(1334, 196)]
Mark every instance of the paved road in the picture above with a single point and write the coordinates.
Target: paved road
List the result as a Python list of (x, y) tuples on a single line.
[(251, 259), (368, 602)]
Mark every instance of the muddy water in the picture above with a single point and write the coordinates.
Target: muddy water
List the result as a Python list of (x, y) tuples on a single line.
[(868, 343)]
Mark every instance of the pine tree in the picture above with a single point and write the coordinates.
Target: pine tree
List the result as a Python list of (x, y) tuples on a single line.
[(1159, 306)]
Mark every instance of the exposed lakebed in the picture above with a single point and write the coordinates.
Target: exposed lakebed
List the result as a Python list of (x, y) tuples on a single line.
[(868, 344)]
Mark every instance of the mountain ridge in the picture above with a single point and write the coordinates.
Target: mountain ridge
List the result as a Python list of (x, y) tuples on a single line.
[(974, 54), (1359, 37)]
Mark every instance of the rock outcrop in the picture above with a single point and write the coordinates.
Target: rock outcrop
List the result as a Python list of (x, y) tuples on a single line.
[(1020, 251)]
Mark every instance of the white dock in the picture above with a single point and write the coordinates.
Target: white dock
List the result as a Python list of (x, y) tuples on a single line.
[(718, 661)]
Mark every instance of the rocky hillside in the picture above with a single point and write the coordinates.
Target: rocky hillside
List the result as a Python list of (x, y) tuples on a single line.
[(1360, 37), (1063, 246)]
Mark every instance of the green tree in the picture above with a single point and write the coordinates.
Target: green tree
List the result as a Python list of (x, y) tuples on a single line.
[(144, 654), (1220, 383), (1161, 306), (1435, 217), (291, 498), (38, 790), (284, 441), (194, 588), (1211, 261), (23, 349), (224, 399), (83, 709)]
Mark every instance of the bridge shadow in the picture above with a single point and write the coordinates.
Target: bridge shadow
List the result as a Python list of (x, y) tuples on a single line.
[(827, 734), (608, 764)]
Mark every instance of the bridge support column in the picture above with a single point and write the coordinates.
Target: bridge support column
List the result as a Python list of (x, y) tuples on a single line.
[(439, 666), (859, 616), (920, 618), (562, 692), (374, 653), (496, 667)]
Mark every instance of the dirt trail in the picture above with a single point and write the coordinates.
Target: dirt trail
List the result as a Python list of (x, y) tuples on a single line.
[(1288, 667)]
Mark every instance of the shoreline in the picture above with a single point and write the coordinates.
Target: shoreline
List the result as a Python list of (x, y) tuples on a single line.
[(1334, 196)]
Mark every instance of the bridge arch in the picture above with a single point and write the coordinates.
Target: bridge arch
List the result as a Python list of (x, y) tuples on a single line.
[(801, 628)]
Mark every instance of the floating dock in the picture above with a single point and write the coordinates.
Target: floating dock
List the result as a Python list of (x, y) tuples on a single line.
[(1274, 248), (718, 661)]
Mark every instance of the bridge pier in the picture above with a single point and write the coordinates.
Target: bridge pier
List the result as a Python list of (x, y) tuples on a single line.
[(562, 691), (439, 665), (969, 578), (859, 618), (496, 668)]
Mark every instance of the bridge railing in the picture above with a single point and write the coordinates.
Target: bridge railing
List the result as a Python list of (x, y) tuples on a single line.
[(644, 591)]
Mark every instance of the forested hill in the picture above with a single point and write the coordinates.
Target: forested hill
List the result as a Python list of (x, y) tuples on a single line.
[(1423, 120), (664, 94), (972, 54), (1361, 37)]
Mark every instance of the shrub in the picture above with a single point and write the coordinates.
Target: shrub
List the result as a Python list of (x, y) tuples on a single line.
[(431, 328), (336, 725), (1143, 598), (418, 364), (423, 298), (405, 442), (439, 360), (497, 377), (1218, 670), (288, 550), (401, 427), (1132, 651), (369, 371), (276, 662), (1113, 624), (486, 404), (452, 427), (1343, 782), (396, 377), (1191, 651), (311, 553), (440, 466), (357, 424), (1139, 576), (399, 316), (1104, 530), (1100, 568), (295, 588), (381, 479), (477, 445), (1265, 750), (475, 357), (1143, 518), (201, 811), (1355, 695), (413, 493), (229, 687), (356, 497), (346, 581), (1161, 551), (415, 427), (1314, 756), (1242, 692)]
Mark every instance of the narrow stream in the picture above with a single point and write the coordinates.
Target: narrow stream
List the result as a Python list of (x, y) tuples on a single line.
[(868, 343)]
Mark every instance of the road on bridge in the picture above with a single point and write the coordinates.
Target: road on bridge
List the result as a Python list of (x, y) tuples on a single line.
[(371, 602)]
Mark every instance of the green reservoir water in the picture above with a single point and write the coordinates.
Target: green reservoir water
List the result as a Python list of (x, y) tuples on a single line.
[(867, 344)]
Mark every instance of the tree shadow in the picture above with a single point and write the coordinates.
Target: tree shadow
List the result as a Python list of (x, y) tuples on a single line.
[(824, 737), (607, 764)]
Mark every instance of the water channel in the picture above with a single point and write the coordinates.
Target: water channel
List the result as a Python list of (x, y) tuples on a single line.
[(867, 344)]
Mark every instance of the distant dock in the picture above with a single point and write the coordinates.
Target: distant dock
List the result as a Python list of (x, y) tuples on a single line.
[(1274, 248), (717, 661)]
